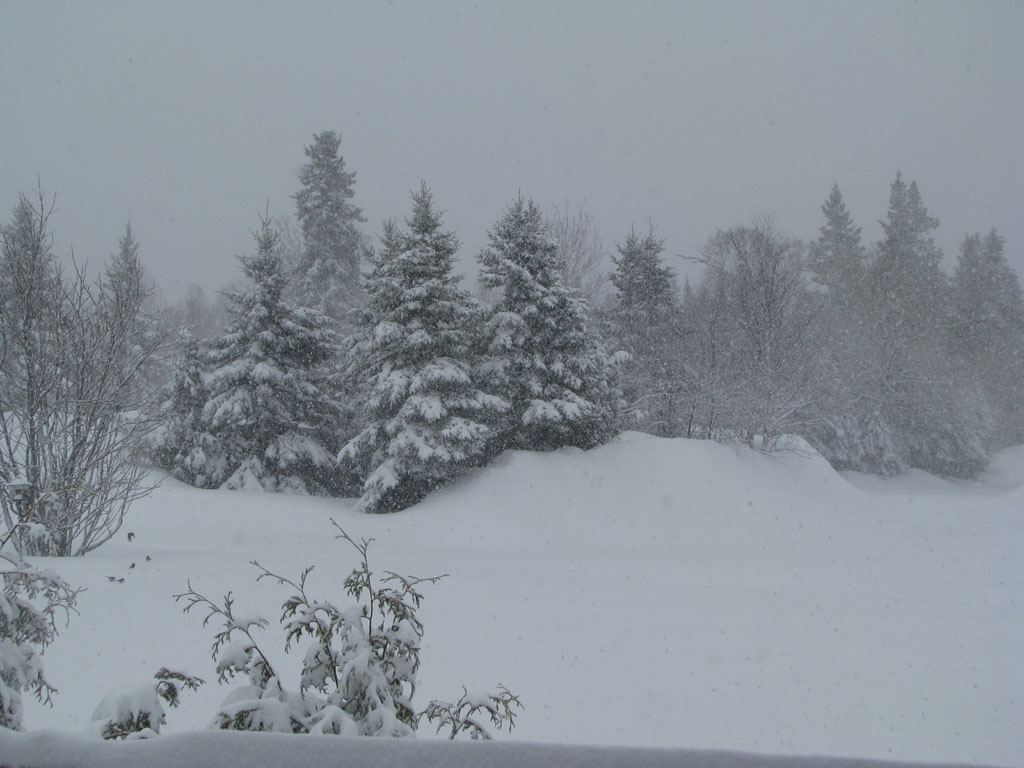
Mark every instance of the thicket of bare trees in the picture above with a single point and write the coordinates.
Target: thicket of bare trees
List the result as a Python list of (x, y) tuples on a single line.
[(72, 350)]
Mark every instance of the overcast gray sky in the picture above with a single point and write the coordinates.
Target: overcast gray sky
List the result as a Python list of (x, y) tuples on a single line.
[(186, 118)]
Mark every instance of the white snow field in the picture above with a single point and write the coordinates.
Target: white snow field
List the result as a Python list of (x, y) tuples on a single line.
[(649, 593)]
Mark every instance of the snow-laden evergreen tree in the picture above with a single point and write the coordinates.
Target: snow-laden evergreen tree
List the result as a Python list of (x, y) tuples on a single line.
[(326, 274), (542, 357), (123, 295), (268, 419), (646, 322), (180, 441), (988, 333), (426, 417), (916, 389), (843, 420)]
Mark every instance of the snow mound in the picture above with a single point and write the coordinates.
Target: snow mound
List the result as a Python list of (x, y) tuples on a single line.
[(647, 593)]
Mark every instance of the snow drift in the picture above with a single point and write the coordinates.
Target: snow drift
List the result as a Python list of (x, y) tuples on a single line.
[(648, 593)]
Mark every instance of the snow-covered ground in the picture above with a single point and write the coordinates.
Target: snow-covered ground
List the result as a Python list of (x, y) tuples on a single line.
[(655, 593)]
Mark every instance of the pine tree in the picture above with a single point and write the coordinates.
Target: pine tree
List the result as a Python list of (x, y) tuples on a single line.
[(988, 333), (267, 414), (136, 337), (180, 441), (543, 359), (917, 390), (427, 419), (837, 260), (842, 420), (646, 322), (326, 276), (908, 284)]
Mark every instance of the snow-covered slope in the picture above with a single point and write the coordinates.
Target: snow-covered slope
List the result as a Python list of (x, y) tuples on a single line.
[(649, 593), (224, 749)]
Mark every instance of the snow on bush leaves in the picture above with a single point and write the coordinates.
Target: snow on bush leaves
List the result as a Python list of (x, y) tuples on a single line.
[(358, 672)]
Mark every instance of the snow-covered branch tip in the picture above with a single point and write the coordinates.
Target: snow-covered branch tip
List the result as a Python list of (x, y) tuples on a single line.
[(31, 599), (470, 713), (137, 713), (233, 657)]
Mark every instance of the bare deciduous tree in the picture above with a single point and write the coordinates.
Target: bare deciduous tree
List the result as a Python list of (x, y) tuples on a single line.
[(761, 273), (71, 352), (585, 260)]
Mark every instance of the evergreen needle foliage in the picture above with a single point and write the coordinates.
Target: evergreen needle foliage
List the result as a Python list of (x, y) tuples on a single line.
[(358, 674)]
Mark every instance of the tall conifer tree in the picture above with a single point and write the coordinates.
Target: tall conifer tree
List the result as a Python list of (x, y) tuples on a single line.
[(326, 275), (646, 322), (426, 417), (543, 359), (267, 421)]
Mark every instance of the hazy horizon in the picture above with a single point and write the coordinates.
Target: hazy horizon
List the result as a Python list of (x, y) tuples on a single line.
[(188, 120)]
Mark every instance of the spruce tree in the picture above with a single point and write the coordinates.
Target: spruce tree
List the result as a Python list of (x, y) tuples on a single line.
[(177, 443), (326, 275), (917, 390), (646, 322), (837, 260), (426, 417), (842, 419), (988, 332), (269, 419), (543, 359)]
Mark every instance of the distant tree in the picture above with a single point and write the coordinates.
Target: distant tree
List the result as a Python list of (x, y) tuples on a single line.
[(181, 441), (543, 359), (915, 388), (201, 317), (843, 420), (838, 260), (426, 418), (759, 273), (645, 321), (581, 253), (988, 332), (123, 294), (268, 422), (325, 276), (711, 387)]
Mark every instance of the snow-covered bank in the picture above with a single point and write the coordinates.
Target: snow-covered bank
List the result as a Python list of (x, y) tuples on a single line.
[(664, 593), (228, 750)]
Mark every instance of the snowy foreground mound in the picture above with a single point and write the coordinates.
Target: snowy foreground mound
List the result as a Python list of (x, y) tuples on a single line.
[(226, 750), (650, 593)]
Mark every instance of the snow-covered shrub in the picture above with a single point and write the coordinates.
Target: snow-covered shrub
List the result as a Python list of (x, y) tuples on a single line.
[(359, 665), (137, 713), (470, 712), (30, 602)]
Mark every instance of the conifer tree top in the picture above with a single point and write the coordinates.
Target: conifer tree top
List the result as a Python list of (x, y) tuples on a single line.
[(640, 278), (520, 251), (908, 226)]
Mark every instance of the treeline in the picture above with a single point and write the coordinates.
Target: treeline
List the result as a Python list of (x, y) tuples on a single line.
[(345, 366)]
